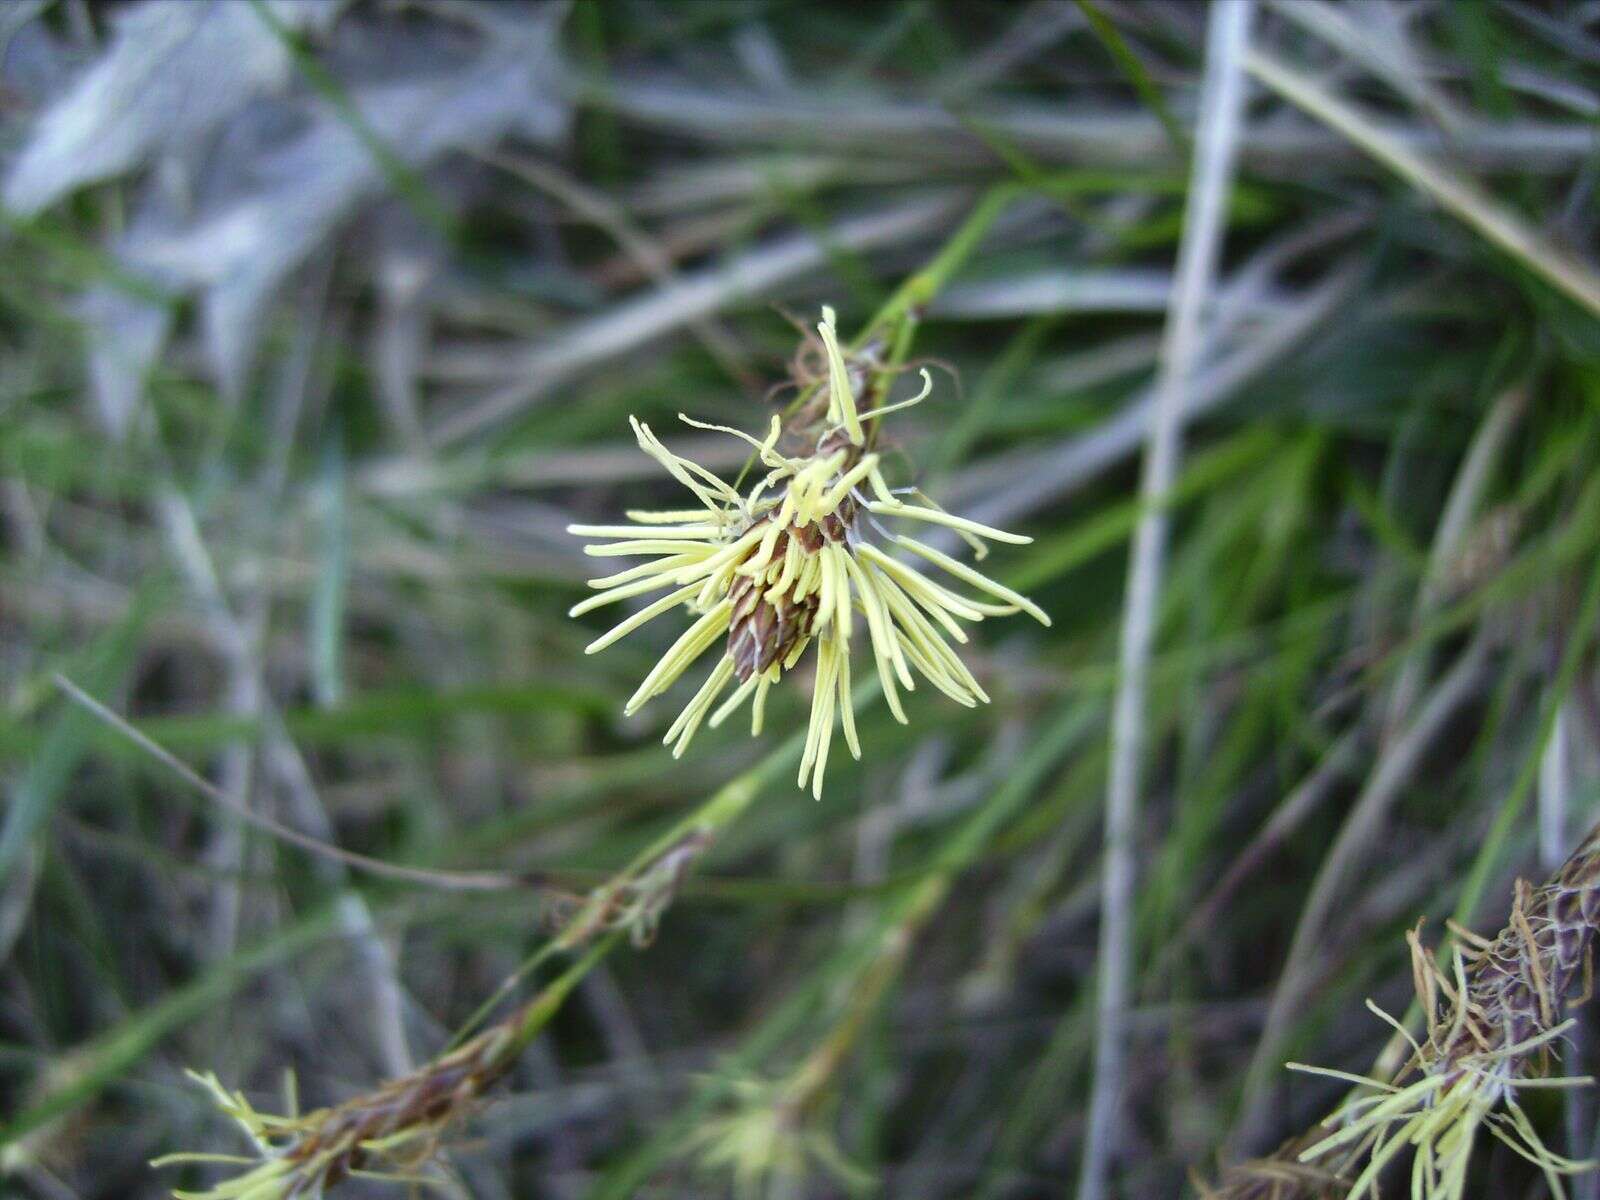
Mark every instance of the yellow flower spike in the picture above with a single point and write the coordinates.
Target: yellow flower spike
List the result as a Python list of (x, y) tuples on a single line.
[(841, 400), (785, 566)]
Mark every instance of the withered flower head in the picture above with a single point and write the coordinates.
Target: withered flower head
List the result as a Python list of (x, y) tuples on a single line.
[(1496, 1021), (387, 1134), (789, 563)]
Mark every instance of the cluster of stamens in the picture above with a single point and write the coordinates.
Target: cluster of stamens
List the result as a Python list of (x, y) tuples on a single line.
[(790, 563)]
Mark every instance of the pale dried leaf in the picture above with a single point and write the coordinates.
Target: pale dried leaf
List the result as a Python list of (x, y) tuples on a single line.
[(286, 175), (174, 71)]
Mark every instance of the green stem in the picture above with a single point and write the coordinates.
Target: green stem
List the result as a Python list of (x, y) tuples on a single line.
[(532, 1017), (719, 811), (910, 912), (919, 289)]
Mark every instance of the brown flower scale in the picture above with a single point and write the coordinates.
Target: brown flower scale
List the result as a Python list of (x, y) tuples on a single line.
[(392, 1131), (1278, 1176), (1517, 984), (414, 1110), (769, 622)]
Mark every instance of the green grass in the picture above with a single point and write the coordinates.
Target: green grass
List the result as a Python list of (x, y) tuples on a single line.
[(393, 667)]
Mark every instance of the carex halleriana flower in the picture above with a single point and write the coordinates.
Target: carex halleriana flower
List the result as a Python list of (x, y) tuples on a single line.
[(770, 571), (1499, 1012), (388, 1134)]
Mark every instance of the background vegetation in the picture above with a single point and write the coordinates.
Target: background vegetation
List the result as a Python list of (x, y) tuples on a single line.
[(321, 321)]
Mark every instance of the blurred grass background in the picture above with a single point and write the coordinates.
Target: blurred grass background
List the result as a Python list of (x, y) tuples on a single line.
[(322, 320)]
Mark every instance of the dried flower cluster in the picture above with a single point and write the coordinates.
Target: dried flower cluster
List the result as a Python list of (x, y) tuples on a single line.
[(385, 1134), (1498, 1016), (393, 1131), (787, 564)]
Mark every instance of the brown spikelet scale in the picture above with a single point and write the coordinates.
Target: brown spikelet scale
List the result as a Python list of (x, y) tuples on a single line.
[(1517, 985), (415, 1110), (768, 624), (763, 631), (393, 1131), (385, 1134)]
